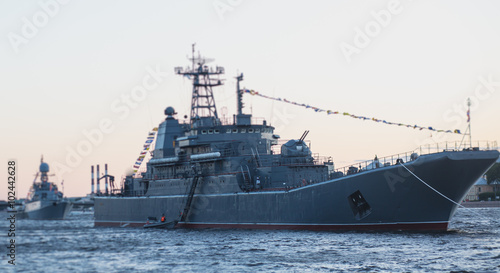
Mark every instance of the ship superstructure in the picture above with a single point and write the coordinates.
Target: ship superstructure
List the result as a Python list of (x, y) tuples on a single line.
[(210, 172)]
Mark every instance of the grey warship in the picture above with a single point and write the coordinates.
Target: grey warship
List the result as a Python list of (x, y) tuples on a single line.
[(45, 201), (208, 172)]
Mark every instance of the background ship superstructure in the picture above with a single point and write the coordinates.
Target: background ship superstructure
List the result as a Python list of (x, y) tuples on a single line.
[(45, 201)]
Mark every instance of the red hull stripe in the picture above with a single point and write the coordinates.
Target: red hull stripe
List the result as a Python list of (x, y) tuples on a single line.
[(391, 226)]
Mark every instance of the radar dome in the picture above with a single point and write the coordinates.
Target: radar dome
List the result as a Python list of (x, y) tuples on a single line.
[(170, 111), (44, 167)]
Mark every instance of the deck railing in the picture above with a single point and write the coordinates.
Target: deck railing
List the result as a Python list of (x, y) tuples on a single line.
[(232, 121), (380, 162)]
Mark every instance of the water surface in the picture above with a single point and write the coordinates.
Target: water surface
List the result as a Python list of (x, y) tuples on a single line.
[(75, 245)]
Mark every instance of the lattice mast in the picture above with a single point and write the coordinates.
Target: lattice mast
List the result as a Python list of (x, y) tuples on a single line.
[(202, 102)]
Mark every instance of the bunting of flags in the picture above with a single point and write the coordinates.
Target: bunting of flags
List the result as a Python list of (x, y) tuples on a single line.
[(331, 112), (147, 144)]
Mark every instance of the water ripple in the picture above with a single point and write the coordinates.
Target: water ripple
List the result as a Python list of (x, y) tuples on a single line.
[(75, 245)]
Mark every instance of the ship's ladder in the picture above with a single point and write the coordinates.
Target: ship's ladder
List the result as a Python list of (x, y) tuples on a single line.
[(190, 198), (247, 178), (256, 156)]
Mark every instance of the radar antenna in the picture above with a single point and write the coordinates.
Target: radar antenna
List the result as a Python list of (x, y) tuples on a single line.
[(203, 110)]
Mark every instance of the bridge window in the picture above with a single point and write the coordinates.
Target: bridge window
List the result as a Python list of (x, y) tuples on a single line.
[(250, 130), (235, 130), (243, 130)]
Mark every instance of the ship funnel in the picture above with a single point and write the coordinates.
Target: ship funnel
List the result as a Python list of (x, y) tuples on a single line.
[(92, 175), (106, 180), (98, 190)]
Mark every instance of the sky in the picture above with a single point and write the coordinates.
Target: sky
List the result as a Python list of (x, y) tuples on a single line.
[(83, 82)]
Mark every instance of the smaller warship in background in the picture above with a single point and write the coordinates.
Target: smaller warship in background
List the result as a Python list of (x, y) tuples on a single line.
[(211, 172), (44, 201)]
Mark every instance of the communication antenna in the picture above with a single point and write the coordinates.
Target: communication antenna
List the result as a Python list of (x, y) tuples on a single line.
[(239, 96), (468, 121), (468, 130)]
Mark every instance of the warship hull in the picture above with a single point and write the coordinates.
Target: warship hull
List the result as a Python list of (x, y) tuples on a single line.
[(46, 210), (386, 198)]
